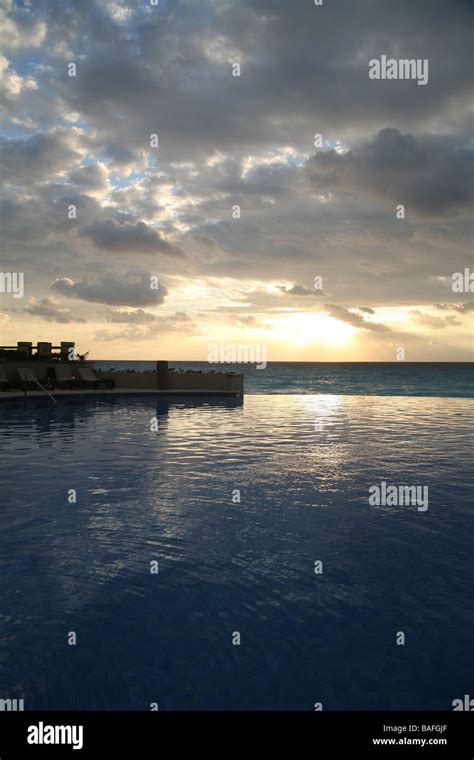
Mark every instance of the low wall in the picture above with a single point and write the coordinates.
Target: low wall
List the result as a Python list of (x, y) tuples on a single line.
[(206, 381), (177, 381), (140, 380)]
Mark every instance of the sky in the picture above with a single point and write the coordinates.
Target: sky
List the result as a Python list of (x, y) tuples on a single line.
[(158, 203)]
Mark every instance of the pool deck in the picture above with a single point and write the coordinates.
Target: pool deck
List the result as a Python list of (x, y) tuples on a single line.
[(19, 395)]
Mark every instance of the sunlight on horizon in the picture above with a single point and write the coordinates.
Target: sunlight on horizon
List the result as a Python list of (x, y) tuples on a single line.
[(301, 329)]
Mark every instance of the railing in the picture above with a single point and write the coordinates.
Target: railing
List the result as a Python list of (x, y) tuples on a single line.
[(35, 380)]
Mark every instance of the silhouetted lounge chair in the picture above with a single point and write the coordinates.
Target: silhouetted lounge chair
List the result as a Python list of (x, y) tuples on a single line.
[(89, 377), (3, 378), (64, 376)]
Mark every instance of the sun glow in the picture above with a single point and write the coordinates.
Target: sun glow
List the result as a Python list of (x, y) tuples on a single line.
[(310, 327)]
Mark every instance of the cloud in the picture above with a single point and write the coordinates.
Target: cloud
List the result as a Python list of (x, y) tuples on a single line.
[(141, 317), (92, 177), (51, 311), (206, 241), (437, 323), (40, 157), (131, 317), (299, 290), (11, 84), (248, 140), (462, 308), (182, 56), (428, 175), (143, 325), (129, 237), (128, 289), (19, 30), (344, 315), (244, 320), (119, 13)]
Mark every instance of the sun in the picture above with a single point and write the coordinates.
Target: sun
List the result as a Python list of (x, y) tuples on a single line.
[(311, 327)]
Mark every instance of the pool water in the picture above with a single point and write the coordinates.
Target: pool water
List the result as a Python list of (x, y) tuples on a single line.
[(303, 466)]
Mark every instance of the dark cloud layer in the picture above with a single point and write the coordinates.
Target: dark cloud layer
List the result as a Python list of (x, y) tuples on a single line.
[(140, 317), (344, 315), (51, 311), (39, 157), (125, 289), (129, 237), (327, 212), (426, 175), (300, 290), (301, 66)]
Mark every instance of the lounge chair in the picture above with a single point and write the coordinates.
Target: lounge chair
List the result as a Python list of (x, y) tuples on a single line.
[(27, 377), (3, 378), (64, 376), (89, 377)]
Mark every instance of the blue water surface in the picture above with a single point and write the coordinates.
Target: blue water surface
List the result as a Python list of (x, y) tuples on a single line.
[(303, 466)]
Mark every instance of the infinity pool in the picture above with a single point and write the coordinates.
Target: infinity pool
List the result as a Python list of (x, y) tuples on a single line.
[(303, 466)]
